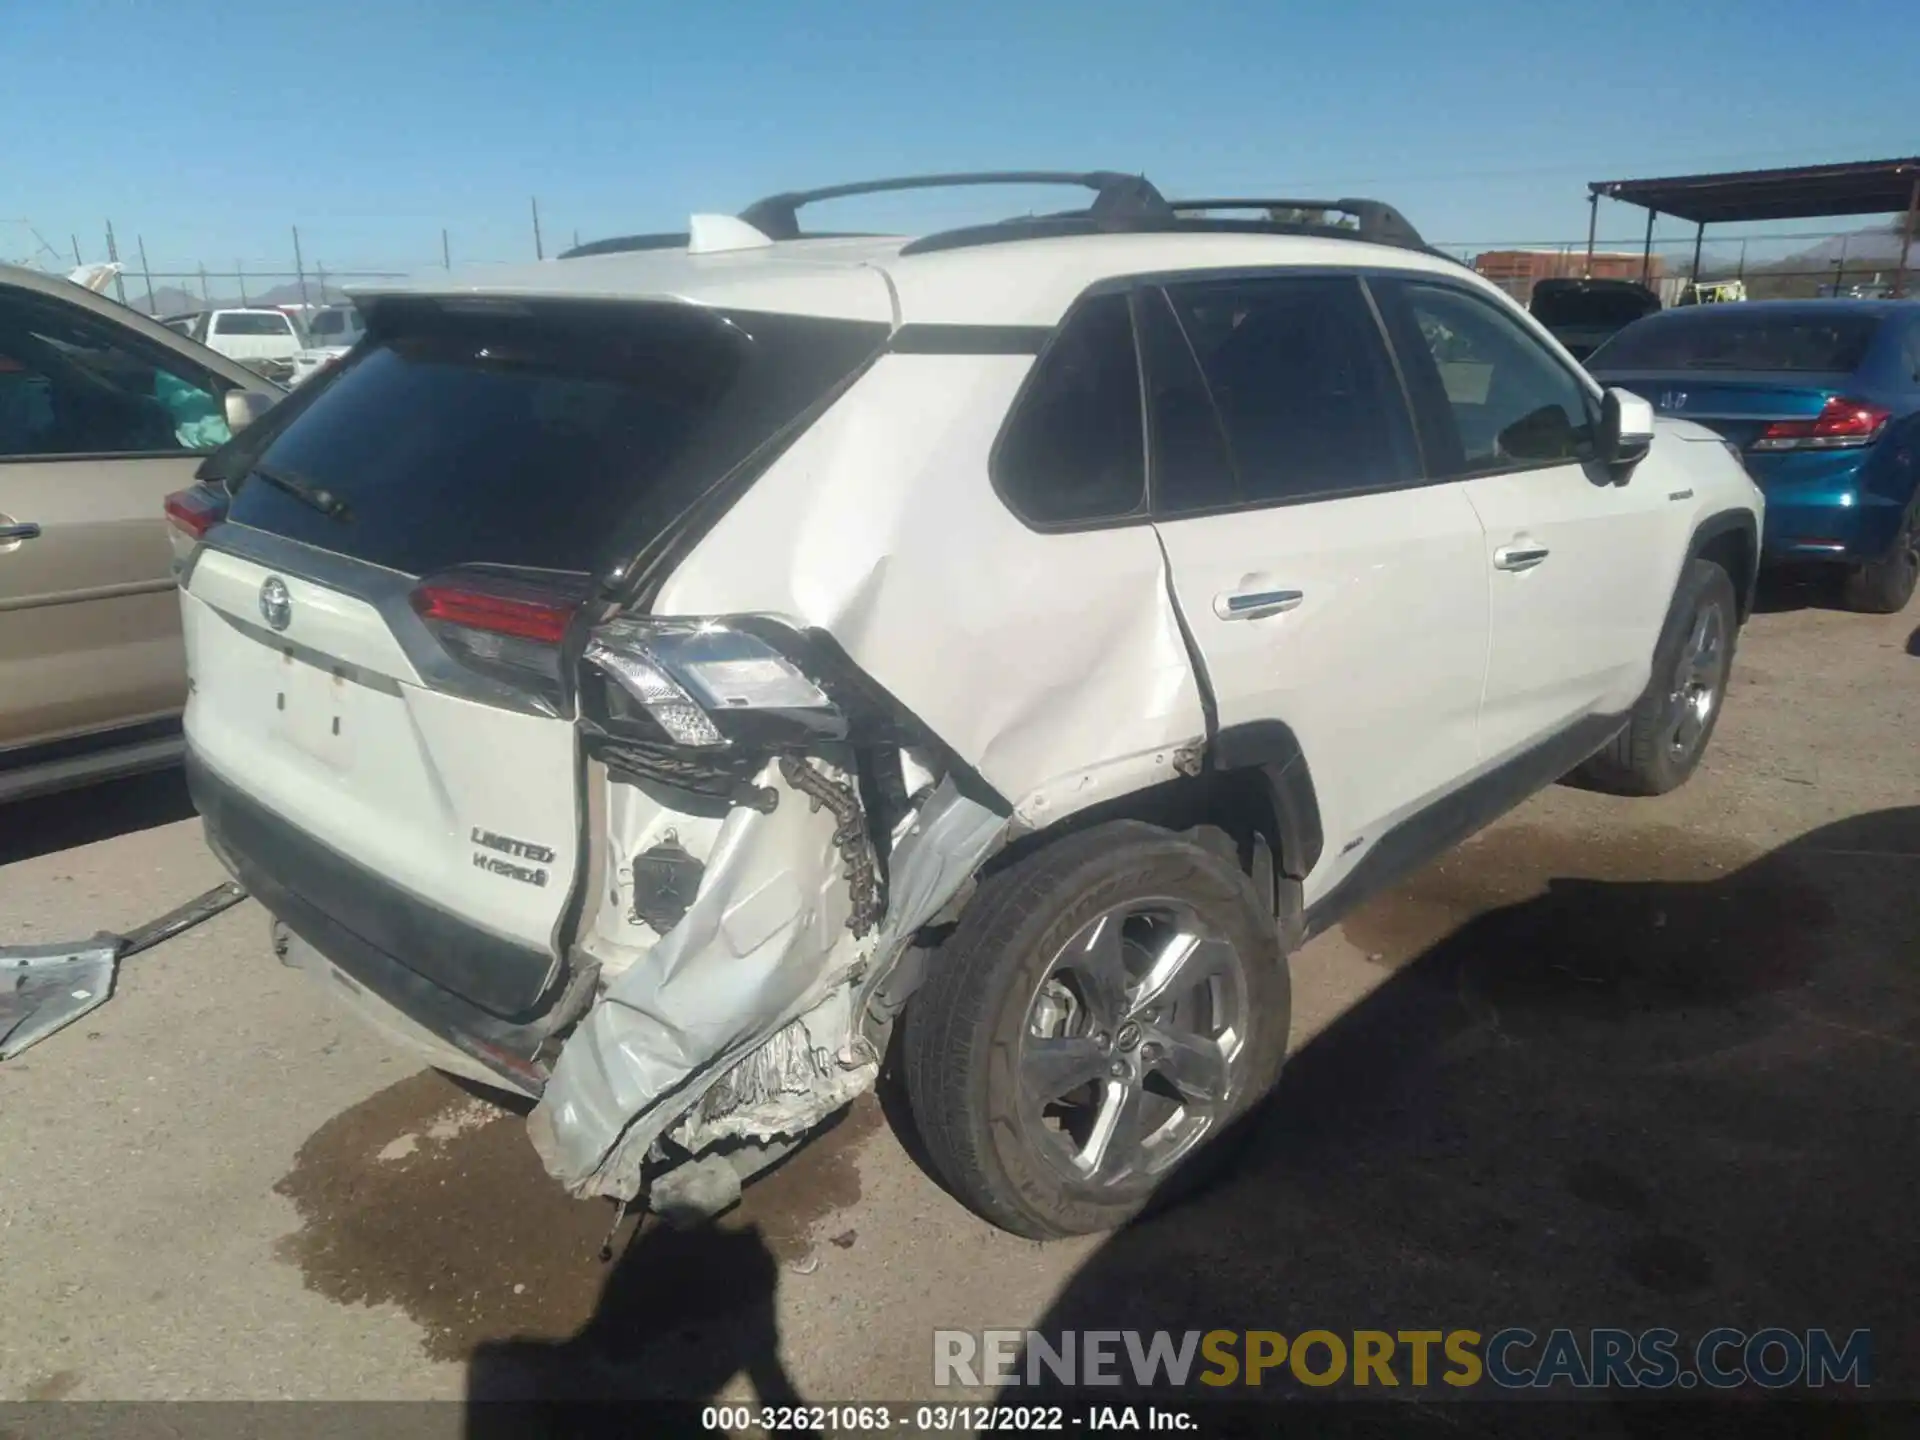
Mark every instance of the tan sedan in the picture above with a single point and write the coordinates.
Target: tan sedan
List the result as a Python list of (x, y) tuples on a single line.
[(103, 413)]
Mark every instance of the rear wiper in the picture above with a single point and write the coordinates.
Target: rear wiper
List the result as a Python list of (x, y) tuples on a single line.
[(312, 496)]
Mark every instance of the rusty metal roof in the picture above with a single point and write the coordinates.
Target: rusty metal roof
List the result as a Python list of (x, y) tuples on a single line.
[(1865, 187)]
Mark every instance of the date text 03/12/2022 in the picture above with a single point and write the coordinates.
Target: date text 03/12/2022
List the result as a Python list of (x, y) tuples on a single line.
[(1510, 1358), (960, 1419)]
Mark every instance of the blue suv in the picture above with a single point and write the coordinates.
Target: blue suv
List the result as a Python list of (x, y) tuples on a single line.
[(1822, 400)]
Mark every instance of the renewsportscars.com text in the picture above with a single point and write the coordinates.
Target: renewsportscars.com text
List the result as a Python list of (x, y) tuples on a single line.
[(1512, 1358)]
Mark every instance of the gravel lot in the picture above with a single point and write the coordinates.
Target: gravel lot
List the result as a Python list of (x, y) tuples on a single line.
[(1614, 1062)]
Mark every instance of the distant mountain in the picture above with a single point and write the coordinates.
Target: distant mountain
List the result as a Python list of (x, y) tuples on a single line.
[(174, 300)]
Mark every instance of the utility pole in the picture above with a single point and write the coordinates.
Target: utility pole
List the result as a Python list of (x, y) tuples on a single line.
[(113, 254), (76, 251), (300, 269), (446, 250), (241, 276), (539, 251), (153, 306)]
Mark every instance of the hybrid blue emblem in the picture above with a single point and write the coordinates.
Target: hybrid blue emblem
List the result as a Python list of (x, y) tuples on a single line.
[(276, 605)]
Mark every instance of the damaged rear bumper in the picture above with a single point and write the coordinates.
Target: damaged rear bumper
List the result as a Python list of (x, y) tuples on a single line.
[(277, 863), (748, 1022)]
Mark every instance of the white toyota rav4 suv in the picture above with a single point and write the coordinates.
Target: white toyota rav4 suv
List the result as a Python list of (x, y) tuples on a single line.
[(647, 679)]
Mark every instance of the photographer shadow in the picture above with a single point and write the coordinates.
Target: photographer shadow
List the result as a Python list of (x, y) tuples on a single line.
[(683, 1313), (1635, 1104)]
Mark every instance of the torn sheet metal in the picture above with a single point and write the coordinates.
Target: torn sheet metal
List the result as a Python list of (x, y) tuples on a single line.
[(44, 988), (945, 841), (51, 986), (764, 942), (807, 1070)]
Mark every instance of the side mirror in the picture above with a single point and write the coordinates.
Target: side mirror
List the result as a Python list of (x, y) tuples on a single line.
[(1626, 432), (243, 407)]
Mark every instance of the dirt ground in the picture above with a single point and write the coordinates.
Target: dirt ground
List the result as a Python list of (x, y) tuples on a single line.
[(1614, 1062)]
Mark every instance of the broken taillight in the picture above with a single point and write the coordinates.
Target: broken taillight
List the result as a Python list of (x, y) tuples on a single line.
[(1841, 425), (502, 623), (195, 510), (707, 683)]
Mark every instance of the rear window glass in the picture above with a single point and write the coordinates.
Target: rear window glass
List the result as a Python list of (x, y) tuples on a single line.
[(549, 436), (332, 323), (1597, 306), (1740, 337), (252, 323)]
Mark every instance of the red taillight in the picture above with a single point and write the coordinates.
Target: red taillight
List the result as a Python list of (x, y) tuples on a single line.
[(195, 511), (502, 624), (1841, 424), (507, 609)]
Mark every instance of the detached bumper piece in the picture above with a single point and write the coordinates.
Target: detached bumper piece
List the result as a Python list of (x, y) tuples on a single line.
[(44, 988)]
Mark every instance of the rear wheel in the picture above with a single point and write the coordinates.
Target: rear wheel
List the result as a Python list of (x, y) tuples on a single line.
[(1668, 731), (1886, 585), (1102, 1014)]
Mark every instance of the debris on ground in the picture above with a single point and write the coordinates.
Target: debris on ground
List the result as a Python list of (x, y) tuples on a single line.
[(44, 988)]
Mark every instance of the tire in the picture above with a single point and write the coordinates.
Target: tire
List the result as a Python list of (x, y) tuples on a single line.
[(1884, 586), (1667, 733), (1045, 979)]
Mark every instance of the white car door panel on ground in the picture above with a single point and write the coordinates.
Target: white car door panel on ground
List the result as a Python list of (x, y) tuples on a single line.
[(1579, 575), (1283, 590)]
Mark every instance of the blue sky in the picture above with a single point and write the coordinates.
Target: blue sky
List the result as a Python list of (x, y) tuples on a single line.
[(210, 129)]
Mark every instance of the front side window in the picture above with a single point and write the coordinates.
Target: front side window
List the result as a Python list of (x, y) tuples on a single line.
[(1074, 451), (72, 384), (1501, 399), (1302, 386)]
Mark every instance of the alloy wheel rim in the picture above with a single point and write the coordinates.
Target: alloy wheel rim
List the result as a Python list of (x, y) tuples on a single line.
[(1132, 1042), (1696, 681)]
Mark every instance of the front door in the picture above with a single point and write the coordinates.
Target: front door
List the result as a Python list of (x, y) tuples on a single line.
[(1580, 575), (96, 428), (1325, 583)]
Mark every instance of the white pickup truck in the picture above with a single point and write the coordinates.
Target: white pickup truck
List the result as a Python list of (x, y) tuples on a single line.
[(262, 339)]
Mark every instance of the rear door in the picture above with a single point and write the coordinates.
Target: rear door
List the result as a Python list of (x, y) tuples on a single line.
[(97, 425), (1581, 574), (1326, 584), (378, 636)]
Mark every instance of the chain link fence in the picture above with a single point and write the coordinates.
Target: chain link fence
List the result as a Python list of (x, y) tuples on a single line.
[(1797, 264)]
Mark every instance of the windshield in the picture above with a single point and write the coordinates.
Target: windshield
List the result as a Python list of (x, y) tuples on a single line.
[(1740, 337), (528, 435)]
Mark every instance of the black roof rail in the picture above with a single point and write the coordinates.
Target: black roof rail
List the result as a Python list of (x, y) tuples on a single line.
[(1117, 197), (1376, 221)]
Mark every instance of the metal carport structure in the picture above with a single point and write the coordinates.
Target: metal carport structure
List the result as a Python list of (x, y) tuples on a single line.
[(1864, 187)]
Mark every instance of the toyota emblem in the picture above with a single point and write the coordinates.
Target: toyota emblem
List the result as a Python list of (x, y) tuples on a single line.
[(276, 605), (1673, 400)]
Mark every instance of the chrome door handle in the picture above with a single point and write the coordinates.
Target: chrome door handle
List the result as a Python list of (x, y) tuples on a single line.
[(26, 530), (1253, 604), (1519, 557)]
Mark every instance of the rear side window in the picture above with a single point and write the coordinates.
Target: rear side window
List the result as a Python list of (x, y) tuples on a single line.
[(252, 322), (1074, 450), (1741, 337), (1302, 385), (552, 436)]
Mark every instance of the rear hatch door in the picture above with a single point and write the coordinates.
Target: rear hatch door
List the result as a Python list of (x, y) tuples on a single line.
[(379, 636)]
